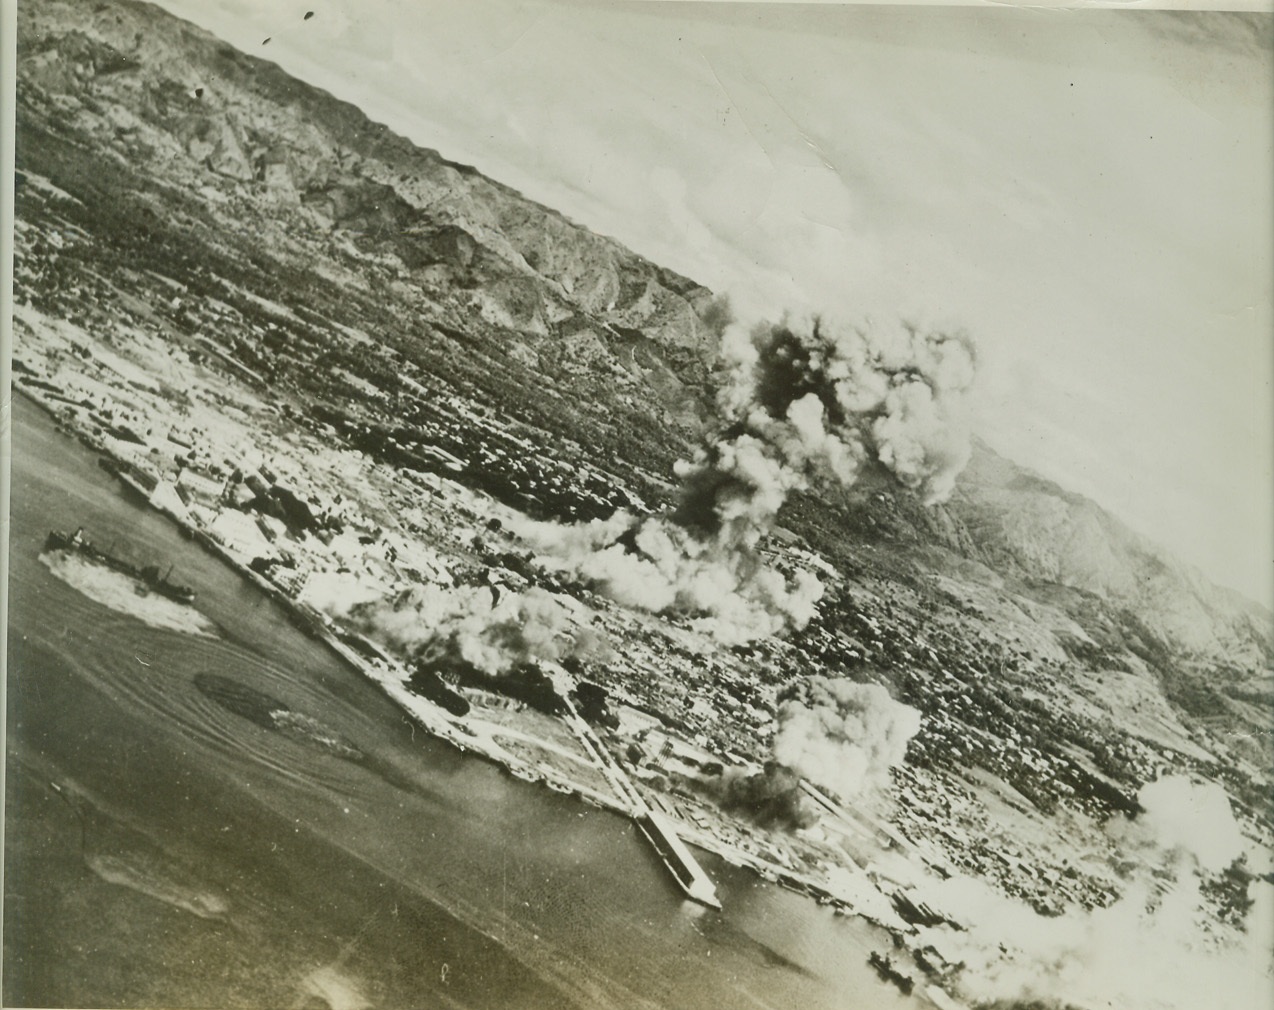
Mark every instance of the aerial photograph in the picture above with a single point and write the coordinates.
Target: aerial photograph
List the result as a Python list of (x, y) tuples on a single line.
[(639, 505)]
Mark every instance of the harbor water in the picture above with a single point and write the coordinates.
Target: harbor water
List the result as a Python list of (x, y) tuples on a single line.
[(225, 815)]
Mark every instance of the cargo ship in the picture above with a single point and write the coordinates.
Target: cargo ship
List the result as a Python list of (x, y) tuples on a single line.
[(681, 864), (147, 577)]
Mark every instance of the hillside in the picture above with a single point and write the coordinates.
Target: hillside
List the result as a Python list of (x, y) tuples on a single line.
[(415, 401), (546, 294)]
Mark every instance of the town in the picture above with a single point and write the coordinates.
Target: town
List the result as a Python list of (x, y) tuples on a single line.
[(315, 496), (375, 382)]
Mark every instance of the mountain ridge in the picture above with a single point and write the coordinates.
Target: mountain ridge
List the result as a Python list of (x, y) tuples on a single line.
[(358, 161), (510, 293), (503, 466)]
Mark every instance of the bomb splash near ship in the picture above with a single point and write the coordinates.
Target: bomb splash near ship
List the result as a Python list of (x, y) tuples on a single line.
[(148, 577)]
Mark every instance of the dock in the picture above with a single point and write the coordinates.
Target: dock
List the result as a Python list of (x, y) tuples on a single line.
[(658, 829), (681, 864)]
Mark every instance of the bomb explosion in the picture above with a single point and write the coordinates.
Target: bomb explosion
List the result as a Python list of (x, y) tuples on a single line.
[(807, 400), (843, 736)]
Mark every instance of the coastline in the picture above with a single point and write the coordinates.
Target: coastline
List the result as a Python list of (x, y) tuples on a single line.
[(390, 676)]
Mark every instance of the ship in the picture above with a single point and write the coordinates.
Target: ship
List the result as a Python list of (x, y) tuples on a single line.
[(681, 864), (888, 973), (147, 577)]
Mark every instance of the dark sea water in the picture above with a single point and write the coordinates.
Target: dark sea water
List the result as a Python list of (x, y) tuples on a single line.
[(236, 819)]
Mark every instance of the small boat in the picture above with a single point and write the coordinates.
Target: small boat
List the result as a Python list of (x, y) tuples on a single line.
[(888, 973)]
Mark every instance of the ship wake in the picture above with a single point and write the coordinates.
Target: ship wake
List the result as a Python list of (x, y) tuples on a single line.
[(126, 596)]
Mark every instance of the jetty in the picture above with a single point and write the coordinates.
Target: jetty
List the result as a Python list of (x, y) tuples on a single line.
[(656, 827)]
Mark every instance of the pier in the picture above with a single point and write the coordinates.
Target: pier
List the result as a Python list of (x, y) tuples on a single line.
[(658, 829)]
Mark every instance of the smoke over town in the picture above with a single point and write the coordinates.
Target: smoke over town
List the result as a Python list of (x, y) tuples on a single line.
[(813, 397), (838, 734), (1190, 817), (1145, 950), (771, 797), (806, 400), (491, 634), (842, 735)]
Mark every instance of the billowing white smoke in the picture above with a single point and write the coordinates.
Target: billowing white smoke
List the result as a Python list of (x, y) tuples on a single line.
[(656, 565), (336, 593), (806, 399), (1147, 950), (1185, 815), (825, 398), (492, 636), (842, 735)]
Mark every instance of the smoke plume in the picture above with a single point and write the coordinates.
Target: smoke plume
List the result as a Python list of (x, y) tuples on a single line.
[(492, 637), (842, 735), (771, 798), (811, 397), (1183, 815), (656, 565), (805, 400), (1155, 947), (1145, 952)]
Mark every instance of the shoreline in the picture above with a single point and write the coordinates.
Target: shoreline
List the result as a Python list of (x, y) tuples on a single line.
[(390, 676)]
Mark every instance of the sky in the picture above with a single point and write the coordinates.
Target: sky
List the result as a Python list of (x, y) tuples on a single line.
[(1089, 194)]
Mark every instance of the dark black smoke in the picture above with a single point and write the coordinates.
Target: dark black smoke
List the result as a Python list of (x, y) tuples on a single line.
[(772, 798)]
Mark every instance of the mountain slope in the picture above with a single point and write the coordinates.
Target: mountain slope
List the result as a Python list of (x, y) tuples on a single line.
[(1030, 527), (214, 256)]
